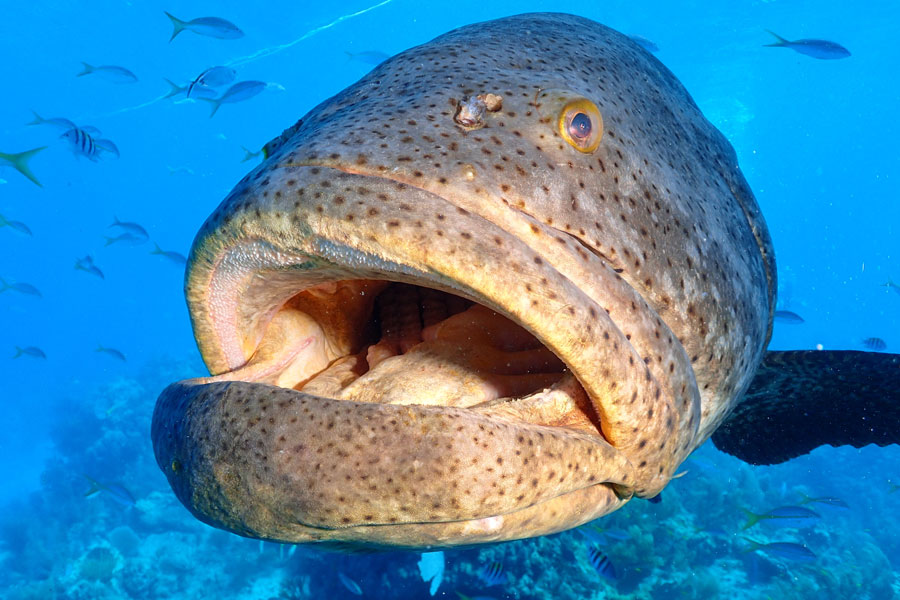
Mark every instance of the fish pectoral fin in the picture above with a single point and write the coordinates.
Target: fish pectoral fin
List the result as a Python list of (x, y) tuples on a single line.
[(800, 400)]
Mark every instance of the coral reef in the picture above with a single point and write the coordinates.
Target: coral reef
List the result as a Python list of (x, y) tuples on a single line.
[(108, 546)]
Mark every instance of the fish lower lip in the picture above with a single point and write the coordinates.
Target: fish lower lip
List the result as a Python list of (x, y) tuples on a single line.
[(283, 465)]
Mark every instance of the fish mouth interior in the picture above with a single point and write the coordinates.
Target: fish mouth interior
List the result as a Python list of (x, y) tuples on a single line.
[(392, 342)]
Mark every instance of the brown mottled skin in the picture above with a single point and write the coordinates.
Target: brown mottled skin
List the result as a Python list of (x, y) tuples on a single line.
[(644, 266)]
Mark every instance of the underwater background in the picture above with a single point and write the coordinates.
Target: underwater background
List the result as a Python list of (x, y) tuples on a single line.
[(86, 345)]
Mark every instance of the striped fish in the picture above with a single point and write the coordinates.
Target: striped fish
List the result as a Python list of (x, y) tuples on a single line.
[(84, 144), (492, 574), (601, 562), (874, 343)]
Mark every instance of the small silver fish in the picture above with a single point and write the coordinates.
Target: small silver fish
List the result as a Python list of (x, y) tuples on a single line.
[(19, 286), (350, 584), (87, 265), (19, 162), (127, 238), (111, 73), (179, 170), (890, 284), (110, 351), (32, 351), (243, 90), (821, 49), (16, 225), (783, 550), (116, 491), (826, 500), (370, 57), (796, 517), (209, 26), (175, 257), (211, 78), (134, 228), (58, 122)]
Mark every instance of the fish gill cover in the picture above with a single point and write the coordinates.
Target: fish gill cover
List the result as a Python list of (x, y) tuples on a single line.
[(95, 324)]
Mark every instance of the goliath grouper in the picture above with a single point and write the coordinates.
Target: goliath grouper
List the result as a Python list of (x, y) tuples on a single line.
[(506, 282)]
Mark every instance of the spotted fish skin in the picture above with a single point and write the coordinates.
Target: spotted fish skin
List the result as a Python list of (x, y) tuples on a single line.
[(644, 265)]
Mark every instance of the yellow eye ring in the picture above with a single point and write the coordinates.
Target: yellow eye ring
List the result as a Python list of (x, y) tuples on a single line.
[(581, 125)]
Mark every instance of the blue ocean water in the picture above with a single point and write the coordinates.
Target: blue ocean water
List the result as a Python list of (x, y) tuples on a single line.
[(816, 139)]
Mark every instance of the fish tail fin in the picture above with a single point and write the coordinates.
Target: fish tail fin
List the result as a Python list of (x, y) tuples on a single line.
[(754, 545), (157, 249), (87, 70), (109, 240), (116, 221), (349, 58), (95, 486), (3, 221), (177, 25), (780, 41), (174, 88), (19, 352), (19, 161), (3, 285), (38, 119), (215, 107), (247, 154), (108, 146), (752, 519), (99, 348)]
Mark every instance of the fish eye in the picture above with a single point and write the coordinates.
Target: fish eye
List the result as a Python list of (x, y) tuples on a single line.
[(176, 466), (581, 125)]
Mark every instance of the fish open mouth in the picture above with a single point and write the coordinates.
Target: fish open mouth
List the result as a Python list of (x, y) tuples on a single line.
[(425, 379), (398, 343)]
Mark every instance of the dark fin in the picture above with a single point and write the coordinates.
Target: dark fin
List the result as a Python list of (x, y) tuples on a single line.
[(803, 399), (780, 43)]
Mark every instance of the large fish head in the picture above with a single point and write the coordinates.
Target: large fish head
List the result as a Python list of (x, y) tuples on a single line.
[(496, 288)]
